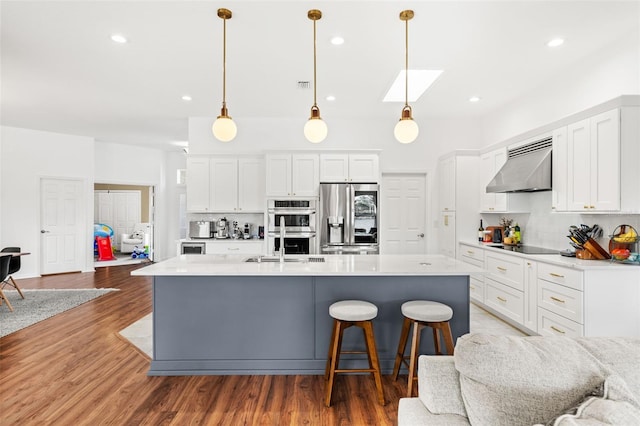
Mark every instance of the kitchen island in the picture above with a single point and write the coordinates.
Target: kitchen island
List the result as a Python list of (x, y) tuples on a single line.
[(219, 314)]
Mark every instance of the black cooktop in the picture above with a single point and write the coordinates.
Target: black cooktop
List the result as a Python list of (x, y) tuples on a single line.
[(528, 249)]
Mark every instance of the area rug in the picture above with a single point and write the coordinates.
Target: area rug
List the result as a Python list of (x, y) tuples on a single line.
[(39, 305), (140, 334)]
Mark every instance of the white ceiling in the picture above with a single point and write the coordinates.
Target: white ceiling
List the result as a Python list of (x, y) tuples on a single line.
[(60, 71)]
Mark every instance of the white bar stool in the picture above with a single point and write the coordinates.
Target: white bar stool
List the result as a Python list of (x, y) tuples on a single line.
[(345, 314), (420, 314)]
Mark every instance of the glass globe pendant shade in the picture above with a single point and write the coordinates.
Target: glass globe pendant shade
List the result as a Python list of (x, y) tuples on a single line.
[(315, 129), (406, 130), (224, 129)]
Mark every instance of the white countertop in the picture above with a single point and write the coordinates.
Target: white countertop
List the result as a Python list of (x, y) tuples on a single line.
[(341, 265), (556, 259), (221, 240)]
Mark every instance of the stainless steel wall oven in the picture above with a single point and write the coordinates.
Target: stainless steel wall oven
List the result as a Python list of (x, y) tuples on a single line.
[(300, 225)]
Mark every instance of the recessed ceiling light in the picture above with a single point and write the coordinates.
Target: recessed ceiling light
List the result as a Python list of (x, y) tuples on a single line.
[(419, 82), (330, 98), (555, 42), (474, 99), (337, 40), (186, 98), (118, 38)]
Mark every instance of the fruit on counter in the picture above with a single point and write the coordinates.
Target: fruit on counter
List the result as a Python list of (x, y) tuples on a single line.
[(628, 237), (620, 253)]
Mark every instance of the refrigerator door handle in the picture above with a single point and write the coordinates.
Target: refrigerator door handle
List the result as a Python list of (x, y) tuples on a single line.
[(349, 239)]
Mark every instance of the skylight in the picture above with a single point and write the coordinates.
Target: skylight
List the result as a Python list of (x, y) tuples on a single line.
[(419, 82)]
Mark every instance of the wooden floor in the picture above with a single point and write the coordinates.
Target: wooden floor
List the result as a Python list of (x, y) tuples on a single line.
[(75, 369)]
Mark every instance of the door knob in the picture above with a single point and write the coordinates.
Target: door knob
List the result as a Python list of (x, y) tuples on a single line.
[(421, 235), (42, 231)]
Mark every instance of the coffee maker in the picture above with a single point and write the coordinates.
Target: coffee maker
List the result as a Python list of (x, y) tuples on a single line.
[(221, 228), (246, 231), (336, 229)]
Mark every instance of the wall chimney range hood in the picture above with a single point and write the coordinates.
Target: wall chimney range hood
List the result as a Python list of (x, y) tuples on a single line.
[(528, 169)]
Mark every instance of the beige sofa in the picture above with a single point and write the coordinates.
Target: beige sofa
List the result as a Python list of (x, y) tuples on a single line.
[(511, 381)]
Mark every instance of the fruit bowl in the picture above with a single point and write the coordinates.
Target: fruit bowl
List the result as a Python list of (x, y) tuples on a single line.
[(623, 244), (620, 253)]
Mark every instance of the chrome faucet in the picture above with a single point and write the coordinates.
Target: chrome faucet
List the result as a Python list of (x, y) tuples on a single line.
[(282, 225)]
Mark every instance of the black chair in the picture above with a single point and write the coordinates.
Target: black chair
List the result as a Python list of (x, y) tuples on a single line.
[(14, 266), (4, 272)]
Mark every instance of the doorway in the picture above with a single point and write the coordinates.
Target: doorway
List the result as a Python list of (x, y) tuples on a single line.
[(403, 213), (124, 208)]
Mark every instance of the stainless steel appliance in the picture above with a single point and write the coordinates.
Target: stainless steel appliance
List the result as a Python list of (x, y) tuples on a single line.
[(528, 169), (222, 228), (349, 218), (246, 231), (193, 247), (300, 222), (200, 229)]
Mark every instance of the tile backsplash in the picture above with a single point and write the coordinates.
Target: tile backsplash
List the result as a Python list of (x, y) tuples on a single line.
[(544, 228)]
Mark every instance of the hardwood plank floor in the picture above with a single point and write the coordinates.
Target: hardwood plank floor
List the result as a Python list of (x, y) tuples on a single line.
[(75, 369)]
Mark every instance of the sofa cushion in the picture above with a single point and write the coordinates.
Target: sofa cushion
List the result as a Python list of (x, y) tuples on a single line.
[(612, 404), (439, 385), (507, 380), (411, 412), (621, 355)]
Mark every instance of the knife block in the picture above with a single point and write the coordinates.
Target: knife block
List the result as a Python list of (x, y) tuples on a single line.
[(584, 255)]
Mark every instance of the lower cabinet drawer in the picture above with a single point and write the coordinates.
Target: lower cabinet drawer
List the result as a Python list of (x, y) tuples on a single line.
[(561, 300), (551, 324), (504, 299), (506, 269), (474, 262), (476, 289), (567, 277), (241, 247)]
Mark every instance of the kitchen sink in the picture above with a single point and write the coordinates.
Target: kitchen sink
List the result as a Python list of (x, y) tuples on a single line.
[(276, 259)]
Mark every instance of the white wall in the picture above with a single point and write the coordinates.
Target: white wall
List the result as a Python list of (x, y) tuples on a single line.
[(26, 156), (611, 72)]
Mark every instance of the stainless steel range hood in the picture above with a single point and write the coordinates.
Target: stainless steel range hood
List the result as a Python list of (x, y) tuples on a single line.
[(528, 169)]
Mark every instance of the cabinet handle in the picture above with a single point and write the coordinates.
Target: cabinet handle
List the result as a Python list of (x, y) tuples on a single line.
[(233, 248), (592, 207), (446, 220), (528, 263), (557, 330), (501, 299), (585, 207), (470, 251), (556, 275), (556, 299), (501, 269), (446, 208), (472, 287)]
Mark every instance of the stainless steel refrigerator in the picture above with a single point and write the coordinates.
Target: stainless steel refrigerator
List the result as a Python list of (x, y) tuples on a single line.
[(349, 218)]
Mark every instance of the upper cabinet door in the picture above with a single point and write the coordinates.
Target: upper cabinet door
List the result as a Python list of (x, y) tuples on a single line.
[(490, 164), (559, 173), (305, 175), (605, 161), (251, 185), (334, 167), (224, 184), (278, 175), (499, 160), (578, 165), (198, 184), (447, 184), (364, 168)]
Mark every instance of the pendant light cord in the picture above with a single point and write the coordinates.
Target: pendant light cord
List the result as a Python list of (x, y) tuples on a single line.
[(314, 64), (406, 63), (224, 63)]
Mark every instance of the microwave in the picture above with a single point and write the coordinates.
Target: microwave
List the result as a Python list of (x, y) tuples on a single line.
[(201, 229), (299, 215)]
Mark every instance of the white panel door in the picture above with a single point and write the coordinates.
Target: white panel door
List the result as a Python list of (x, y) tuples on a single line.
[(578, 165), (251, 185), (605, 161), (224, 184), (403, 213), (126, 213), (62, 220)]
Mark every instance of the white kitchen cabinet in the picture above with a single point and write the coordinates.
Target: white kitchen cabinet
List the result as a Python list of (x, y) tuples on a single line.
[(474, 255), (225, 184), (292, 175), (593, 166), (530, 317), (198, 184), (490, 164), (363, 168), (559, 174), (457, 200), (235, 247)]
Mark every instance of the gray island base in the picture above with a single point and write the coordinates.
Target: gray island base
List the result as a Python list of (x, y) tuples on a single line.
[(274, 319)]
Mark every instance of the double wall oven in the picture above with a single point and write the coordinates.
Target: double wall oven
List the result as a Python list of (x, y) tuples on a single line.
[(300, 223)]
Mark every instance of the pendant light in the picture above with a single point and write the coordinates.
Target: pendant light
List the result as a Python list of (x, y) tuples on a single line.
[(315, 130), (406, 131), (224, 129)]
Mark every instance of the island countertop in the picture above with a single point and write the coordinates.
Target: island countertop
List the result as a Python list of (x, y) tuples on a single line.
[(333, 265)]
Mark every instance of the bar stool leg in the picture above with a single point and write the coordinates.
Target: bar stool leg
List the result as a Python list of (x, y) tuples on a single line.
[(436, 340), (331, 344), (336, 345), (372, 351), (448, 337), (415, 347), (404, 336)]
